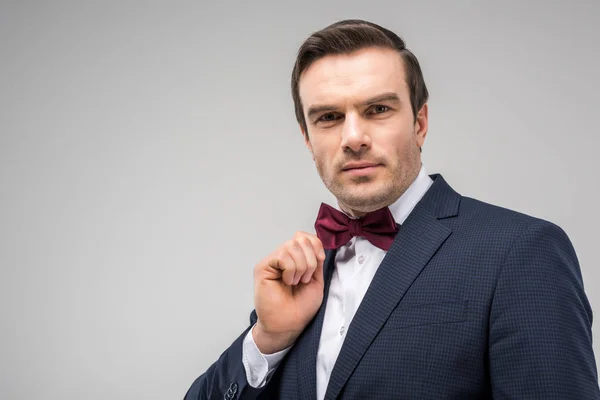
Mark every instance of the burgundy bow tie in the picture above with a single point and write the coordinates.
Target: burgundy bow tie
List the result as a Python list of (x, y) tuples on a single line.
[(335, 229)]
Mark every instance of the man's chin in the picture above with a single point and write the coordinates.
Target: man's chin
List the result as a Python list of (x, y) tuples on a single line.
[(364, 200)]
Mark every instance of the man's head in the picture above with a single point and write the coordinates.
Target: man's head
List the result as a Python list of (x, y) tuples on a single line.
[(360, 100)]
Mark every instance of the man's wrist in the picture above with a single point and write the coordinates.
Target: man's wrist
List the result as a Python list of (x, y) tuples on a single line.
[(268, 343)]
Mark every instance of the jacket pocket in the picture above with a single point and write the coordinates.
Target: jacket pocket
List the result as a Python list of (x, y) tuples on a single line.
[(408, 315)]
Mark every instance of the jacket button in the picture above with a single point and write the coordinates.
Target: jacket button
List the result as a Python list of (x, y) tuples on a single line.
[(230, 394), (233, 387)]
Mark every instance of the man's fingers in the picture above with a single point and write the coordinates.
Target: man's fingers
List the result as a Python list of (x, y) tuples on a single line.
[(296, 252), (311, 258), (284, 263), (298, 260), (320, 254)]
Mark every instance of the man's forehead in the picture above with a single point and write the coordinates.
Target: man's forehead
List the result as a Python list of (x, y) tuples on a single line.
[(361, 74)]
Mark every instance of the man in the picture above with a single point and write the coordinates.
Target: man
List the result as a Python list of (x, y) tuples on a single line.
[(409, 290)]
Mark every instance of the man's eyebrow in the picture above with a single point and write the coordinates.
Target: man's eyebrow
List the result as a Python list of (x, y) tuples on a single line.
[(313, 110), (390, 97)]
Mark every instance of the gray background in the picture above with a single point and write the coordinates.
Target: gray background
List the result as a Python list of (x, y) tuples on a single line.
[(149, 157)]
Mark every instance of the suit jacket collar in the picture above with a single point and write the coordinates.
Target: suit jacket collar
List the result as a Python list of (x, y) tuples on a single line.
[(441, 200)]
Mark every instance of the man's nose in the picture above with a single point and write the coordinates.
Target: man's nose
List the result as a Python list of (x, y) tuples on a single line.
[(354, 133)]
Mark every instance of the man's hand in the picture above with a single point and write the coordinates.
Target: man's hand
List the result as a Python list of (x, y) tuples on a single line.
[(288, 291)]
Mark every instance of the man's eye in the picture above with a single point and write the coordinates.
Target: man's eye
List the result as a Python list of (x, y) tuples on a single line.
[(378, 109), (328, 117)]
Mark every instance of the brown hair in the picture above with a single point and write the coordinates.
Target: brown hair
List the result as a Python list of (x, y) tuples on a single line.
[(345, 37)]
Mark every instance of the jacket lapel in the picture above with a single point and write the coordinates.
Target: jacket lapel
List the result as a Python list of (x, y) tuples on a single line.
[(307, 344), (416, 242)]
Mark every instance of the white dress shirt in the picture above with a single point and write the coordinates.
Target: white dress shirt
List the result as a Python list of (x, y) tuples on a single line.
[(355, 265)]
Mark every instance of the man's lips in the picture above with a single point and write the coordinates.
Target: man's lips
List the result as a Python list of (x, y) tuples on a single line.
[(359, 165), (360, 168)]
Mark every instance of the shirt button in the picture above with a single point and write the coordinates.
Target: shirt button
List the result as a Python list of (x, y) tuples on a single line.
[(342, 329), (361, 259)]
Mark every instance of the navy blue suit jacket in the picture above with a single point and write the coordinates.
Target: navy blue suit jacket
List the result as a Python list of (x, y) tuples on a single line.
[(472, 301)]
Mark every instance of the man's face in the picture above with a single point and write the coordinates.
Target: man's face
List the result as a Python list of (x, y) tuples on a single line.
[(361, 130)]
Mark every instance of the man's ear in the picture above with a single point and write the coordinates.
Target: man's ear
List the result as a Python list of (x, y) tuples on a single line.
[(422, 125), (307, 141)]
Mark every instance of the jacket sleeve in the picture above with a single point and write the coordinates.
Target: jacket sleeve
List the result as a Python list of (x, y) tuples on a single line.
[(226, 378), (540, 332)]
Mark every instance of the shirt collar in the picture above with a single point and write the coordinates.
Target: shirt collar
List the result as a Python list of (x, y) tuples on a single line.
[(402, 207)]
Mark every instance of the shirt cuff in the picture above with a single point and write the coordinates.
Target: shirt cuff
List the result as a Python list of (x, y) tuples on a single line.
[(259, 366)]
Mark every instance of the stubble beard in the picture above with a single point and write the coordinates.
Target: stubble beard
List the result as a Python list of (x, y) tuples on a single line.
[(365, 194)]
